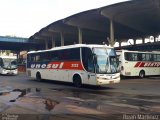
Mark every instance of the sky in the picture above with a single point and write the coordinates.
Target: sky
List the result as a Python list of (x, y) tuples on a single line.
[(23, 18)]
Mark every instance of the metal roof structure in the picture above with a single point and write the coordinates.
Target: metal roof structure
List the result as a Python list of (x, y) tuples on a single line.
[(16, 43), (132, 19)]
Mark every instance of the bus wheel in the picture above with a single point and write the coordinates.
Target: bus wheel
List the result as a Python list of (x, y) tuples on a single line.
[(142, 74), (38, 77), (77, 81)]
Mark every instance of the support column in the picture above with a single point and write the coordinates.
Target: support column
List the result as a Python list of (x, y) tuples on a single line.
[(111, 41), (53, 42), (120, 44), (143, 40), (79, 35), (134, 41), (46, 44), (62, 39), (154, 38), (1, 52), (18, 57), (18, 54)]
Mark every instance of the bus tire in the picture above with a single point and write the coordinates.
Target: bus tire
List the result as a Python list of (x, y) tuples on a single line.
[(38, 77), (142, 74), (77, 81)]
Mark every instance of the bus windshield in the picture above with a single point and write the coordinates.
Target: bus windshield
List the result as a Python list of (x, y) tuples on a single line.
[(9, 63), (106, 60)]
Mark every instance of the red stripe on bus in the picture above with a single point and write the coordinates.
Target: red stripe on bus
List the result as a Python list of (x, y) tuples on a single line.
[(70, 65), (142, 64), (137, 64), (147, 64)]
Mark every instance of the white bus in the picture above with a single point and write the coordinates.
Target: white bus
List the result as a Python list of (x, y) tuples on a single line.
[(138, 63), (80, 64), (8, 65)]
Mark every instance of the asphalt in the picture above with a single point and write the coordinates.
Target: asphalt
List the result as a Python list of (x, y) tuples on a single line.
[(24, 98)]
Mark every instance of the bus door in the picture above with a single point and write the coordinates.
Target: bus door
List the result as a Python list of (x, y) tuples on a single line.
[(91, 68), (91, 72), (87, 60)]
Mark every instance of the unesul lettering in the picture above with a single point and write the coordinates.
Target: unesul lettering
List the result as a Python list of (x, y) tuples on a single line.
[(48, 66)]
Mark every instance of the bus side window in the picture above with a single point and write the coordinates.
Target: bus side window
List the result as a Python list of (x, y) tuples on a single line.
[(143, 57), (151, 57), (127, 56), (32, 58), (147, 57), (54, 55), (37, 58), (158, 58), (155, 57), (139, 58), (134, 56), (74, 54)]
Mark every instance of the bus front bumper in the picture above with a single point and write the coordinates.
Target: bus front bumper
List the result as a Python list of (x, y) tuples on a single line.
[(102, 80), (9, 72)]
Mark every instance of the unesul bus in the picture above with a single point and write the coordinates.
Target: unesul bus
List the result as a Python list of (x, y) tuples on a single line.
[(80, 64), (138, 63)]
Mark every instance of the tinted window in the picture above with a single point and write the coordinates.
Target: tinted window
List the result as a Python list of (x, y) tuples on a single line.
[(54, 55), (155, 57), (158, 58), (141, 57), (58, 55), (131, 56), (69, 54), (75, 54)]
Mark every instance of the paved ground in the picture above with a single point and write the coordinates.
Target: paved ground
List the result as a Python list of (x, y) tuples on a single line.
[(24, 98)]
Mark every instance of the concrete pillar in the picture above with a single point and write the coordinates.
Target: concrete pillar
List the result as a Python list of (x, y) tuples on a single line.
[(53, 42), (111, 40), (120, 44), (46, 44), (18, 57), (143, 40), (154, 38), (62, 39), (79, 35), (134, 41)]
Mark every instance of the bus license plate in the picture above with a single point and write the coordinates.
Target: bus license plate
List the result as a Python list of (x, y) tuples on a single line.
[(10, 72), (111, 82)]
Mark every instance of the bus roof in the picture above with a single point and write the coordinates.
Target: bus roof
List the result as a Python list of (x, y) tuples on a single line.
[(157, 52), (71, 46)]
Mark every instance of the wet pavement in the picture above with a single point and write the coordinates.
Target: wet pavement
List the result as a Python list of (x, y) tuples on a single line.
[(29, 99)]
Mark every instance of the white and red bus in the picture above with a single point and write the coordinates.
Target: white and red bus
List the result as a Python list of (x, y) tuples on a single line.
[(138, 63), (80, 64)]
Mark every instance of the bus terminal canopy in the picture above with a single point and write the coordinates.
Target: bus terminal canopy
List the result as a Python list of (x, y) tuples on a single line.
[(125, 20)]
